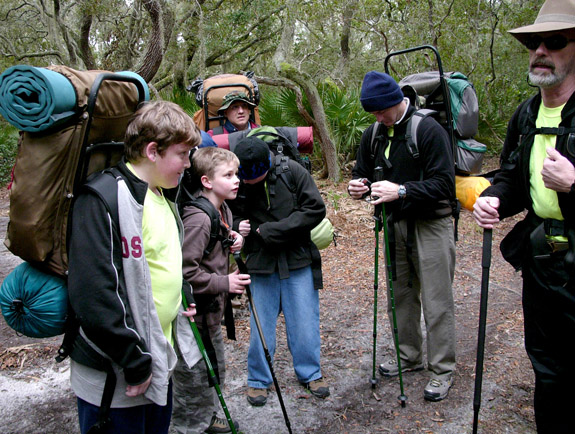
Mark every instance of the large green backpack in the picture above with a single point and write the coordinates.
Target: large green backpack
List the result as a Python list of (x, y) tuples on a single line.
[(424, 92)]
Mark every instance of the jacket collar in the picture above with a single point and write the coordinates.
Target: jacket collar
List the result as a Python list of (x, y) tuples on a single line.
[(137, 187)]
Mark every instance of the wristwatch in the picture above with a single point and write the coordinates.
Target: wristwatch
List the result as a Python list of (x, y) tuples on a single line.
[(401, 192)]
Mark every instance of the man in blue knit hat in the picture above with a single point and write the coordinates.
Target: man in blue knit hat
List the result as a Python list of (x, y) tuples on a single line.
[(416, 191)]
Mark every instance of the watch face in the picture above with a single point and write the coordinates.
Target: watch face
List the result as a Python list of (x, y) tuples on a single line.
[(401, 192)]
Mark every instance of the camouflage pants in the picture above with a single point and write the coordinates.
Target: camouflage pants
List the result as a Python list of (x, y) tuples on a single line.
[(194, 401)]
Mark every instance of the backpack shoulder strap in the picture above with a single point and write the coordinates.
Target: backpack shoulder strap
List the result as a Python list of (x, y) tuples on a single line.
[(411, 130), (106, 187), (283, 172), (202, 203)]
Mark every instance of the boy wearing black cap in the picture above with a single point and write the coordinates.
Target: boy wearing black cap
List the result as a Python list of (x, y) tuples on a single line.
[(283, 263), (416, 193)]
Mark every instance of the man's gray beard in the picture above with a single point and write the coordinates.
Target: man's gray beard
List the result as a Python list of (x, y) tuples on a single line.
[(545, 81)]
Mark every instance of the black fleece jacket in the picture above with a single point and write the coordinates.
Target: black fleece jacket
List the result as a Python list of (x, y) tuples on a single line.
[(284, 218), (512, 183), (429, 180), (96, 286)]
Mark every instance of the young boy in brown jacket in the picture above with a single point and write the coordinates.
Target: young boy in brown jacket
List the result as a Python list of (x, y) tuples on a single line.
[(195, 403)]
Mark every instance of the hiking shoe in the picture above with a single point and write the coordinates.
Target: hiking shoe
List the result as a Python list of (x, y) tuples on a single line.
[(219, 425), (437, 388), (257, 397), (318, 388), (389, 368)]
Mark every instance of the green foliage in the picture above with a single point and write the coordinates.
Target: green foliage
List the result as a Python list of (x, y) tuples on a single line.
[(186, 100), (278, 108), (8, 149), (346, 118)]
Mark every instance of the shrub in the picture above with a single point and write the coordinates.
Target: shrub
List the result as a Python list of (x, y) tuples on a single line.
[(8, 149)]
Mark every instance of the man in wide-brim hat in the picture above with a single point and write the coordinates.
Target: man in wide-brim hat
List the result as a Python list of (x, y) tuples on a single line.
[(236, 108), (538, 174)]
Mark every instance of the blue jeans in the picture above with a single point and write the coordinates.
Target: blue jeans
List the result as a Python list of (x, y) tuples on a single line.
[(299, 302), (142, 419)]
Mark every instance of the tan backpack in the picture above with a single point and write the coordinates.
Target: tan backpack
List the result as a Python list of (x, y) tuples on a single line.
[(52, 165), (211, 92)]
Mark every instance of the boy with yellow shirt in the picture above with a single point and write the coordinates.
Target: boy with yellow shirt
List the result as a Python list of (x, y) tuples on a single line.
[(125, 279)]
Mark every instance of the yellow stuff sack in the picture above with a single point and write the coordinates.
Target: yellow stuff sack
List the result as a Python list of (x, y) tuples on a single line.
[(468, 189)]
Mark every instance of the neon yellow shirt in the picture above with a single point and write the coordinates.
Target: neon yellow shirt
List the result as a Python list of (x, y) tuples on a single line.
[(164, 256), (545, 203)]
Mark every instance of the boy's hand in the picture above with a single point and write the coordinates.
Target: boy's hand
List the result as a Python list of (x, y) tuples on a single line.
[(244, 228), (238, 242), (190, 311), (139, 389), (238, 282)]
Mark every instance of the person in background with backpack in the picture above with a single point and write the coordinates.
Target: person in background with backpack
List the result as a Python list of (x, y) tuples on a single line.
[(538, 174), (276, 215), (416, 193), (236, 107), (206, 268), (125, 279)]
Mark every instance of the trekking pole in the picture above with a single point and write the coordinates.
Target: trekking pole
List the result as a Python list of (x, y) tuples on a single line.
[(402, 398), (211, 372), (485, 264), (243, 269), (377, 228)]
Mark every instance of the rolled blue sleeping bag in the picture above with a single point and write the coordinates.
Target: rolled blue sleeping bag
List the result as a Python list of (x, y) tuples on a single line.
[(35, 99), (34, 303)]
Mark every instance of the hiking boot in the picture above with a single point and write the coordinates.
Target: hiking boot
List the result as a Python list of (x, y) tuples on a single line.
[(437, 388), (219, 425), (389, 368), (318, 388), (257, 397)]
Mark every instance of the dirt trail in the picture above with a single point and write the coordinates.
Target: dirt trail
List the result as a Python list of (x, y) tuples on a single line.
[(35, 396)]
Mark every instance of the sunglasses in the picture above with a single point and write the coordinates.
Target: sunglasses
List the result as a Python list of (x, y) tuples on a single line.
[(555, 42)]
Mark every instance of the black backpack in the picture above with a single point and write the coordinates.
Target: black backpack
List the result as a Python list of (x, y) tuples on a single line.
[(202, 203)]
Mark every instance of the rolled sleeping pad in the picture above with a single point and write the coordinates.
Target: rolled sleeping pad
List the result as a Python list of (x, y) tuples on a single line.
[(34, 99), (303, 136)]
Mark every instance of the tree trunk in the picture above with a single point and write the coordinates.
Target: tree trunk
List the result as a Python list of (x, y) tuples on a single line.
[(154, 55), (343, 66), (85, 50), (321, 129)]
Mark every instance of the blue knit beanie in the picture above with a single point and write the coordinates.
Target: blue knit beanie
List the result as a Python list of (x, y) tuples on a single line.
[(379, 91), (254, 156)]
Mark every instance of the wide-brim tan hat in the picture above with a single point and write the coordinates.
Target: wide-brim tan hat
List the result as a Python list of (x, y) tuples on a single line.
[(554, 15)]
